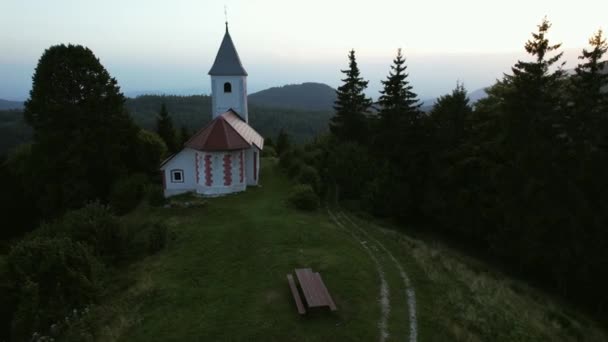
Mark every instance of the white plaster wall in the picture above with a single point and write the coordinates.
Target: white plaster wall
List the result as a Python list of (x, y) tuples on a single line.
[(217, 171), (236, 100), (184, 160), (249, 165)]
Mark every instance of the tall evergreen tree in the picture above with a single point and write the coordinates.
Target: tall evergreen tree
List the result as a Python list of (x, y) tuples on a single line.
[(83, 136), (283, 143), (350, 121), (165, 130), (398, 99), (533, 104), (449, 116), (184, 135), (590, 93), (400, 114)]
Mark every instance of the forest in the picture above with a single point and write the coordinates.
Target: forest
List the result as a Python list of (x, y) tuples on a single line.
[(519, 178), (191, 113)]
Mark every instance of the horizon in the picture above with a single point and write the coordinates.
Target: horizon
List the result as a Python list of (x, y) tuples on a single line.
[(170, 48)]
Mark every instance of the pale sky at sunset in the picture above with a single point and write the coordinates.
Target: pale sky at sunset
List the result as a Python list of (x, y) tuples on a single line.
[(168, 46)]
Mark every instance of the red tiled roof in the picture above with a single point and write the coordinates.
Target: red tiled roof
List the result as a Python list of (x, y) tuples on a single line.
[(225, 133)]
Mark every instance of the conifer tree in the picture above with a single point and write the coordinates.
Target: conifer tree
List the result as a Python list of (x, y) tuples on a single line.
[(350, 121), (283, 143), (184, 135), (164, 128), (589, 93), (397, 97), (534, 101), (450, 114), (399, 110)]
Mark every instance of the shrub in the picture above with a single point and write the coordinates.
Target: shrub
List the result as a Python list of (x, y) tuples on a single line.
[(303, 197), (97, 226), (54, 275), (269, 151), (149, 238), (127, 192), (150, 151), (155, 195), (286, 158), (309, 175), (295, 169), (157, 237)]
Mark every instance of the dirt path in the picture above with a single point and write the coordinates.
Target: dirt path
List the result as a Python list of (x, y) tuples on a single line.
[(344, 221), (385, 306)]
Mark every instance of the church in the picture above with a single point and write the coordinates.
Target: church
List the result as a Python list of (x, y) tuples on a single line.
[(223, 157)]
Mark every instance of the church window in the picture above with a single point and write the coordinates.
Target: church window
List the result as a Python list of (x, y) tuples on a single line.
[(227, 87), (177, 176)]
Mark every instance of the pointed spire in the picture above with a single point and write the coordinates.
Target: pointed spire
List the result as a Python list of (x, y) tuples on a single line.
[(227, 61)]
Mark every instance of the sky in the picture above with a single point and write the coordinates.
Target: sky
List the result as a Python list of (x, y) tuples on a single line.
[(168, 46)]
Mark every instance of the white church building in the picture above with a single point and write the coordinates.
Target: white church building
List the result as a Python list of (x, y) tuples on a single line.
[(224, 156)]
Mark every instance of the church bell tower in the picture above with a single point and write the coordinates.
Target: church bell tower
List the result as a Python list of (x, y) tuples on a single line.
[(228, 81)]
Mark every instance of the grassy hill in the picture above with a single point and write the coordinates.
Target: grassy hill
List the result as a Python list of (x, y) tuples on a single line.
[(222, 278)]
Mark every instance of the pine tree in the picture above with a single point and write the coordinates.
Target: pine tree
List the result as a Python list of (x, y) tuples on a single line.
[(184, 135), (533, 104), (397, 97), (589, 93), (164, 129), (283, 143), (399, 110), (449, 116), (350, 121)]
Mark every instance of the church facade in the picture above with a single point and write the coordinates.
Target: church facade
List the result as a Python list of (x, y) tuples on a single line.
[(224, 156)]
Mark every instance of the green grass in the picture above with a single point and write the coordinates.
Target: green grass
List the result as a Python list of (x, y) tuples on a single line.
[(222, 278)]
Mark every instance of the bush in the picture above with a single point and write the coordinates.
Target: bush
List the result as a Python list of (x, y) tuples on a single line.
[(149, 238), (150, 151), (269, 151), (303, 197), (295, 169), (155, 195), (97, 226), (127, 192), (310, 176), (286, 158), (54, 276)]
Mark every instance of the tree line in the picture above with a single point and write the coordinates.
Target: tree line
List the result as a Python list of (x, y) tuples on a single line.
[(519, 177)]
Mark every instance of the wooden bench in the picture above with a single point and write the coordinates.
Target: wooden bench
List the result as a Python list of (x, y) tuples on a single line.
[(296, 295), (314, 290)]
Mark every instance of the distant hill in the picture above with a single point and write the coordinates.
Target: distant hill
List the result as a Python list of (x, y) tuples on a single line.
[(6, 104), (305, 96), (195, 111)]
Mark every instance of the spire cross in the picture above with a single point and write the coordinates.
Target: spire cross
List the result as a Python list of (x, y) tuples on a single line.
[(226, 16)]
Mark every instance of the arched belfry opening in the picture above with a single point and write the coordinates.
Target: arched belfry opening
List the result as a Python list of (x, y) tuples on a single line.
[(227, 87)]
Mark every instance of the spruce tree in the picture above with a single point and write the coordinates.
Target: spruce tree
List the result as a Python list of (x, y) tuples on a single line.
[(533, 104), (283, 143), (449, 116), (350, 120), (589, 93), (399, 110), (398, 99), (164, 128), (184, 135)]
